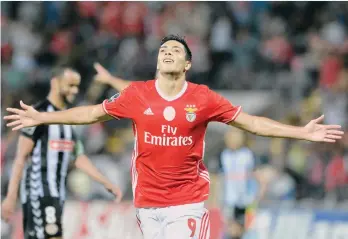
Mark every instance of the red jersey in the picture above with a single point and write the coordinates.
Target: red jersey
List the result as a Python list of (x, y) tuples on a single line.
[(167, 165)]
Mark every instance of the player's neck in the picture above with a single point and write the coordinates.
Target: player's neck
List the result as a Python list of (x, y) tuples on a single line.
[(171, 85), (56, 100)]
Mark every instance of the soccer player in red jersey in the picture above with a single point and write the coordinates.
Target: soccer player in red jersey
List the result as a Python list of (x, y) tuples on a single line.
[(170, 116)]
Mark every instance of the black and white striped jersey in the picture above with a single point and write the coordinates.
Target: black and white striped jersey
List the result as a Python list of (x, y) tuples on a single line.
[(55, 146)]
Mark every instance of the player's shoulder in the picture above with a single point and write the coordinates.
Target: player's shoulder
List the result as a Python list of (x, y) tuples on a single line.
[(139, 89), (199, 91), (199, 88)]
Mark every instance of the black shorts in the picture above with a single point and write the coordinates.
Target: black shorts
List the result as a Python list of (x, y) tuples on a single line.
[(42, 218)]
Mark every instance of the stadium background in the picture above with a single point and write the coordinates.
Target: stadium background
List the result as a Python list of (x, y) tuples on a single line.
[(284, 60)]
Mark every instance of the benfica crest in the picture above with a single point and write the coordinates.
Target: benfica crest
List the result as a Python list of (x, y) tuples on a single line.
[(190, 113)]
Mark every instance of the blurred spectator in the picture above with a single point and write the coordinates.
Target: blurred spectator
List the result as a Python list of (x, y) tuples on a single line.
[(334, 91), (330, 69), (276, 48), (334, 33), (336, 174), (245, 50), (220, 41)]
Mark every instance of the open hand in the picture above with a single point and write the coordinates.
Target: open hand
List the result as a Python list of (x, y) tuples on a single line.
[(323, 133), (22, 118)]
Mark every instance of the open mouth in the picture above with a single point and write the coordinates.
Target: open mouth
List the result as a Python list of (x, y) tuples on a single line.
[(167, 60)]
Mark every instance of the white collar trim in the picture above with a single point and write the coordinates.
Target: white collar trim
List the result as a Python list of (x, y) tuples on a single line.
[(183, 90)]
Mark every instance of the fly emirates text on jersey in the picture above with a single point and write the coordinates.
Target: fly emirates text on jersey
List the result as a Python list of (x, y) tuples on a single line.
[(168, 137)]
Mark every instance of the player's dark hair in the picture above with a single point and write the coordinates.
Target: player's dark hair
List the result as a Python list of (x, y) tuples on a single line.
[(58, 71), (180, 39)]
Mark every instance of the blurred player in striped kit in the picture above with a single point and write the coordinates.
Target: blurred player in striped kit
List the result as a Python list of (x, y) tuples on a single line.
[(44, 154), (244, 183)]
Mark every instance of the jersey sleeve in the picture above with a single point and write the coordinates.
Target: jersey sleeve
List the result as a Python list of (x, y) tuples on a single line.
[(120, 105), (220, 109), (31, 132)]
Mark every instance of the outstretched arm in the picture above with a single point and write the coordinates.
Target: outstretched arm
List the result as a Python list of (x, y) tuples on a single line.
[(28, 116), (313, 131), (103, 76)]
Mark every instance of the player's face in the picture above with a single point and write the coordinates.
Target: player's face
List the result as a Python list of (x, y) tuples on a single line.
[(172, 58), (69, 85)]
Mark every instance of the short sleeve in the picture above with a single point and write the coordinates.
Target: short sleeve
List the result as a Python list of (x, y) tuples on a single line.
[(119, 106), (220, 109), (31, 132)]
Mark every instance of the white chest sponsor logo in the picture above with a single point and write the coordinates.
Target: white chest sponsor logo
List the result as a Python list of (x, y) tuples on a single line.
[(169, 137), (62, 145)]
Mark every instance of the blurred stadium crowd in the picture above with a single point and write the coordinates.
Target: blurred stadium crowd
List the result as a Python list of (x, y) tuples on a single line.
[(297, 51)]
